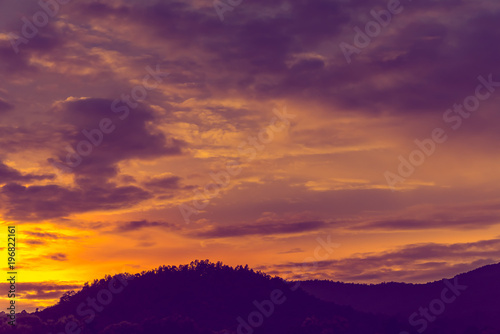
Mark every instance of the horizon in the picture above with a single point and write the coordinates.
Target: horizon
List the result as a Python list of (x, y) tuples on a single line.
[(305, 279), (344, 140)]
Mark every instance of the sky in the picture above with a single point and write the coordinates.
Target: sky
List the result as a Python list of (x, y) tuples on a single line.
[(350, 140)]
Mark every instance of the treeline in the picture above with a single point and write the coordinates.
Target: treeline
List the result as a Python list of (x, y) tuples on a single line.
[(199, 298)]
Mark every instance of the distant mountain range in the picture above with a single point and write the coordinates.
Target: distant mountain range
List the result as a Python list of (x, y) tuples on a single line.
[(212, 298), (474, 308)]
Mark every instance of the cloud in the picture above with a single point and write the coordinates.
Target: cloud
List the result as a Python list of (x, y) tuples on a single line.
[(166, 186), (33, 242), (469, 216), (294, 250), (48, 235), (221, 75), (43, 238), (163, 183), (131, 139), (457, 222), (270, 51), (13, 64), (259, 229), (93, 190), (410, 263), (9, 174), (138, 225), (37, 202), (4, 106), (42, 290), (57, 257)]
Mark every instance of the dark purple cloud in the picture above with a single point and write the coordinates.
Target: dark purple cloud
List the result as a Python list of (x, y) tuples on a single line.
[(5, 106), (131, 138), (163, 183), (421, 262), (33, 242), (453, 222), (93, 190), (53, 201), (57, 257), (139, 225), (44, 42), (43, 238), (48, 235), (9, 174), (259, 229), (441, 58), (261, 40)]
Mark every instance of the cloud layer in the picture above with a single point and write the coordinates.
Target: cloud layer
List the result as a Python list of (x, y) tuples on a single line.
[(113, 114)]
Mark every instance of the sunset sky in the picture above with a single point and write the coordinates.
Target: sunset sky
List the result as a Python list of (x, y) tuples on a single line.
[(304, 138)]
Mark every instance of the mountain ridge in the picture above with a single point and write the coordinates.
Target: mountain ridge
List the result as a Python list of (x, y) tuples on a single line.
[(482, 293), (212, 298)]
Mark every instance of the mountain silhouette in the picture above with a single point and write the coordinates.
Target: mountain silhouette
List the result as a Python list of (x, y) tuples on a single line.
[(213, 298), (475, 307)]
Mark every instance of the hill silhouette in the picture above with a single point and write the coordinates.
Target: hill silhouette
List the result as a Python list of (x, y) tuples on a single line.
[(475, 309), (212, 298)]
